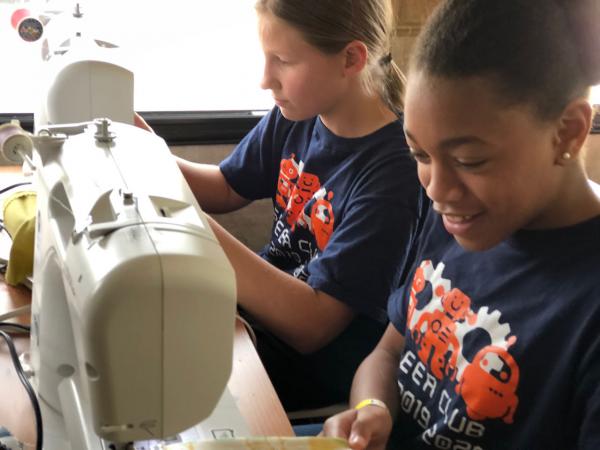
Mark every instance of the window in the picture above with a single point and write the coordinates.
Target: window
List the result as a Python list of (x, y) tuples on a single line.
[(192, 60), (596, 95), (595, 99)]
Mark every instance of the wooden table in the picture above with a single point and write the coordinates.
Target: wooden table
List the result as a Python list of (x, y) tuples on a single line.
[(249, 382)]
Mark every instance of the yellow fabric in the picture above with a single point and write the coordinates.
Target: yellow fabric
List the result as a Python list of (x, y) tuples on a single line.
[(19, 211)]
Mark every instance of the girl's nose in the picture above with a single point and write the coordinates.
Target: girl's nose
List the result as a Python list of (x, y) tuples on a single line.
[(440, 182), (268, 81)]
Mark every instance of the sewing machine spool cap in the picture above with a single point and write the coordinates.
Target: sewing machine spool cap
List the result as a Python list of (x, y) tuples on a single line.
[(15, 142), (30, 29), (28, 25)]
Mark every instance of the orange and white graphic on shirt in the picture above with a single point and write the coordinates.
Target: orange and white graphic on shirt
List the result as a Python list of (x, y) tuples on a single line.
[(488, 383), (288, 172), (435, 332), (321, 218), (306, 186), (295, 188)]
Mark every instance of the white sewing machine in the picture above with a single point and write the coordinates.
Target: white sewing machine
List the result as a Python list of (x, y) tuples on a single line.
[(133, 303)]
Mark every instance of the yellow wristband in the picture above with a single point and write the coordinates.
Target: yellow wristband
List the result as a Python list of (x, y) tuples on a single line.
[(370, 401)]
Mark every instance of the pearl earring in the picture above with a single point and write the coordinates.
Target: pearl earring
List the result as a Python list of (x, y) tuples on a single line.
[(566, 155)]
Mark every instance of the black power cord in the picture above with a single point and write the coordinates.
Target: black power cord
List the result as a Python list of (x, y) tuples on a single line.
[(23, 378), (12, 186), (9, 326), (3, 228)]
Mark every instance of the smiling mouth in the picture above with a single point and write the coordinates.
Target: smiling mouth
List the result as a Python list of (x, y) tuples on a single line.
[(456, 218), (453, 216)]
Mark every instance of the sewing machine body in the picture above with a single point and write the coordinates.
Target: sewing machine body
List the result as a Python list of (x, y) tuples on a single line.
[(85, 82), (133, 303), (134, 300)]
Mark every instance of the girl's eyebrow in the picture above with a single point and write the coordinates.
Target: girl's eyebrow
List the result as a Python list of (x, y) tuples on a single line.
[(451, 143)]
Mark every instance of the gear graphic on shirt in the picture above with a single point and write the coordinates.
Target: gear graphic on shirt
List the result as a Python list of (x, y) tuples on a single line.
[(489, 321)]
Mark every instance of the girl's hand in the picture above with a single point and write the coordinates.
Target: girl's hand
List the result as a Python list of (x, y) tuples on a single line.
[(366, 429), (139, 122)]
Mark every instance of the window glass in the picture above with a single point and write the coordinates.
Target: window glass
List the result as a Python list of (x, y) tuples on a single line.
[(596, 95), (200, 55)]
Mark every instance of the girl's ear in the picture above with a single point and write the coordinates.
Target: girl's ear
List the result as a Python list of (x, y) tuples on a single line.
[(573, 129), (355, 57)]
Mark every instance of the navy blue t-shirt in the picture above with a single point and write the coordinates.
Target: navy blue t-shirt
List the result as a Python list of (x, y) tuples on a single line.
[(345, 210), (502, 346)]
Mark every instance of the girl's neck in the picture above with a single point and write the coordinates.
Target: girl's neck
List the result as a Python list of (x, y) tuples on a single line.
[(358, 115), (576, 203)]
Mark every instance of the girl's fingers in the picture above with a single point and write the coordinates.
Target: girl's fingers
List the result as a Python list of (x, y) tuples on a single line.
[(139, 122), (340, 424)]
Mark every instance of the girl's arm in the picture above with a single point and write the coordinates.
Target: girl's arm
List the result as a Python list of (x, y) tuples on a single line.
[(211, 189), (370, 426), (206, 181), (304, 318)]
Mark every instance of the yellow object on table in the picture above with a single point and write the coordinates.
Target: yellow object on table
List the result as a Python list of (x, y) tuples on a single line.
[(19, 211)]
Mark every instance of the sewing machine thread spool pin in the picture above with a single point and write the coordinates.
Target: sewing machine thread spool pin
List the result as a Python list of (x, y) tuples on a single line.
[(103, 134), (77, 12), (127, 197), (15, 143)]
